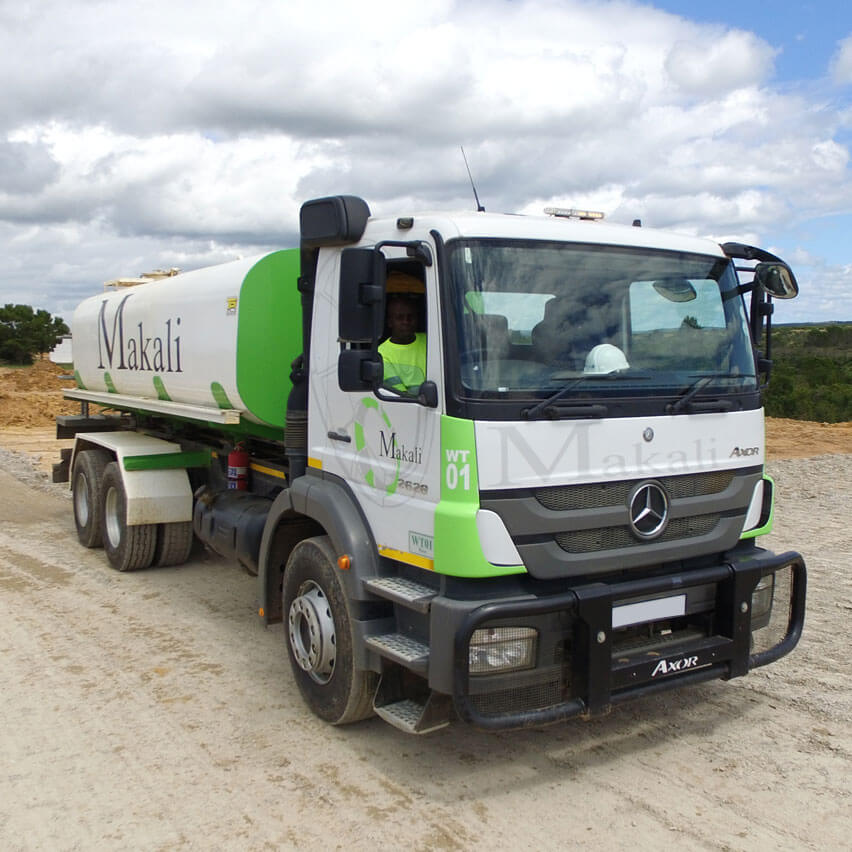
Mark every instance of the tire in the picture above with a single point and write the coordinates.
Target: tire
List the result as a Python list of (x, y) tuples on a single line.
[(174, 543), (87, 495), (127, 548), (318, 632)]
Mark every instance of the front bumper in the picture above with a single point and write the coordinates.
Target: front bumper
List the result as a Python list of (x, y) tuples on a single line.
[(584, 666)]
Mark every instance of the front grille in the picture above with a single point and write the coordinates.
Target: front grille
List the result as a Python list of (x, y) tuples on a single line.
[(584, 529), (613, 538), (547, 692), (566, 498)]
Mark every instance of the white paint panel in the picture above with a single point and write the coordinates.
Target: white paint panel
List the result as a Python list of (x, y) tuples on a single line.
[(157, 496), (532, 455), (753, 515), (178, 409), (188, 313), (497, 545), (645, 611)]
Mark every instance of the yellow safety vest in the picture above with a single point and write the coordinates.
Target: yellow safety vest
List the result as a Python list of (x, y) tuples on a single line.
[(405, 363)]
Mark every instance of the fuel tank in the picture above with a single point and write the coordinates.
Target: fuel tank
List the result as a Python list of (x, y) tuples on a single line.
[(221, 337)]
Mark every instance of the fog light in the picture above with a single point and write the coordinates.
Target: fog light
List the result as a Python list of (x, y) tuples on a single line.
[(761, 598), (502, 649)]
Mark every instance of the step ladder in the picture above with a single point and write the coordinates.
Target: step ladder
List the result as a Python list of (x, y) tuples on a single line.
[(405, 713)]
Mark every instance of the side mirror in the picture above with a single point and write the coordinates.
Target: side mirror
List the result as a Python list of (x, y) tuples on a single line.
[(362, 295), (333, 221), (777, 280), (359, 370), (427, 394)]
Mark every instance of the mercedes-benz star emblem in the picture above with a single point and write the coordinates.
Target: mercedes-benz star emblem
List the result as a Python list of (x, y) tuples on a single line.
[(649, 510), (648, 435)]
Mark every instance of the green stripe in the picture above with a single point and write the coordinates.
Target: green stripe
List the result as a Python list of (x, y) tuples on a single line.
[(220, 396), (458, 551), (160, 388), (167, 461)]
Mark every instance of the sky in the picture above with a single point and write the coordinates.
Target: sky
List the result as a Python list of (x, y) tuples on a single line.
[(138, 135)]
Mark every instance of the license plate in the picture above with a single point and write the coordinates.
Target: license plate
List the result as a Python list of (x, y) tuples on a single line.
[(644, 611)]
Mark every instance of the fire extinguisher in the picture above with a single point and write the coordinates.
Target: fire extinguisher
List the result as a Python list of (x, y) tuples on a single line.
[(238, 467)]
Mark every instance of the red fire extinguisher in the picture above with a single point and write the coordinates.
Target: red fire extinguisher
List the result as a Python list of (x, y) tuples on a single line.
[(238, 467)]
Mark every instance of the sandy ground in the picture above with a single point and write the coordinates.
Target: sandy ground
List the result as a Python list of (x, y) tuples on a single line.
[(152, 711)]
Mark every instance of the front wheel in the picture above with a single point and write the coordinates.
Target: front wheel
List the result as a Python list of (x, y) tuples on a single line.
[(127, 548), (318, 628)]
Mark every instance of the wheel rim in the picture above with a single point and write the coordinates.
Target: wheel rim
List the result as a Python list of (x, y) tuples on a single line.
[(81, 499), (311, 630), (112, 522)]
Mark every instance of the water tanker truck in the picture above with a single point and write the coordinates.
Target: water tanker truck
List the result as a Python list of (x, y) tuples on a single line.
[(561, 516)]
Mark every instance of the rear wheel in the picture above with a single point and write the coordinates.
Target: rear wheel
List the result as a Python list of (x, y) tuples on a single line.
[(174, 543), (87, 495), (318, 627), (127, 548)]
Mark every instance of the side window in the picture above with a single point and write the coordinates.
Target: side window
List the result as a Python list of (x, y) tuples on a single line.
[(403, 347)]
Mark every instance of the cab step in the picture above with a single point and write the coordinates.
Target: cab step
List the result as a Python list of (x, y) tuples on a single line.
[(401, 649), (403, 591), (415, 718)]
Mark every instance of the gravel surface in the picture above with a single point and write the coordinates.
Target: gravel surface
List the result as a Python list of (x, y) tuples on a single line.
[(151, 711)]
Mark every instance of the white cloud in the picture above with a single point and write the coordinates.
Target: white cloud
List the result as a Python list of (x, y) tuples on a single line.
[(711, 66), (841, 65), (146, 134), (825, 291)]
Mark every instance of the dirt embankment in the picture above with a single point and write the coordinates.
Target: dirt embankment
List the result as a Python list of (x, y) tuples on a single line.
[(32, 396)]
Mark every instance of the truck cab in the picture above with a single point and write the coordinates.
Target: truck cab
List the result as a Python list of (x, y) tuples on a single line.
[(564, 513)]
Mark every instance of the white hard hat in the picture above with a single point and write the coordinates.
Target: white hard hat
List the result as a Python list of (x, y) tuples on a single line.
[(605, 358)]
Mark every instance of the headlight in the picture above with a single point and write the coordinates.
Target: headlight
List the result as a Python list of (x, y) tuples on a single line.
[(761, 597), (502, 649)]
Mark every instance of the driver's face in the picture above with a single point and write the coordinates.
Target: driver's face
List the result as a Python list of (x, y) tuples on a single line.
[(402, 321)]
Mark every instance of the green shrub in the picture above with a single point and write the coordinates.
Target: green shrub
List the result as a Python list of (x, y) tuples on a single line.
[(25, 333), (811, 373)]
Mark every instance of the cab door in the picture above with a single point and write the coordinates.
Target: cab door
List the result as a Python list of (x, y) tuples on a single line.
[(386, 448)]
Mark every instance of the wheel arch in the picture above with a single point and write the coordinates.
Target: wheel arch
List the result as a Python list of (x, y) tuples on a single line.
[(153, 496), (314, 506)]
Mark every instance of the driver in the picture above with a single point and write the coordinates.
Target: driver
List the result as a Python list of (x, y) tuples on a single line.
[(404, 352)]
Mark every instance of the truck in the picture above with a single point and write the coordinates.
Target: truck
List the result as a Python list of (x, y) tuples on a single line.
[(563, 516)]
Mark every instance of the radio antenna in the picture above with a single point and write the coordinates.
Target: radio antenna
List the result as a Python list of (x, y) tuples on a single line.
[(479, 207)]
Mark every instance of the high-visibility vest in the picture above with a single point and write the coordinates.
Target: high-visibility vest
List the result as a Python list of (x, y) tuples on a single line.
[(405, 363)]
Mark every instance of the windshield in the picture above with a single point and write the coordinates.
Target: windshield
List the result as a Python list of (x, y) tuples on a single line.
[(535, 319)]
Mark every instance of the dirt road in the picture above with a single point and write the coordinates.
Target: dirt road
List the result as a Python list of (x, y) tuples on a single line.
[(151, 711)]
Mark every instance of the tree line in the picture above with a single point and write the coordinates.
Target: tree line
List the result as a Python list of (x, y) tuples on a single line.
[(811, 373), (26, 333)]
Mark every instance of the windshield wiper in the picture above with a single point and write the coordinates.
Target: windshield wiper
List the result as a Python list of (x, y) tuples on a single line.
[(684, 401), (548, 406), (531, 413)]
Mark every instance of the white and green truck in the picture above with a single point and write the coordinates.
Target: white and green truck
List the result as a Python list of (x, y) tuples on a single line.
[(563, 516)]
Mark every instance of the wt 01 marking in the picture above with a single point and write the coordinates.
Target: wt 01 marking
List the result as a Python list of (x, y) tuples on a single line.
[(458, 469)]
